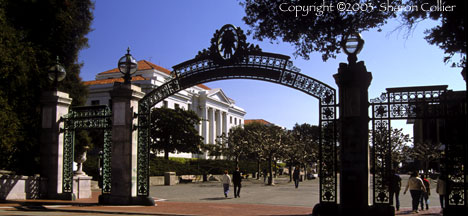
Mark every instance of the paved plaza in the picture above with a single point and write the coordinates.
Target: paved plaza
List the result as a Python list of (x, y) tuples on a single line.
[(206, 198)]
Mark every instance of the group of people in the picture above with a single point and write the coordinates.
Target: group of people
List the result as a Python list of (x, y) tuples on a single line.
[(237, 181), (420, 190)]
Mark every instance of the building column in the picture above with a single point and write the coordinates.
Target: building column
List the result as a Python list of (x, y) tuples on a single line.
[(218, 123), (211, 118), (224, 117), (125, 99), (204, 124), (55, 104)]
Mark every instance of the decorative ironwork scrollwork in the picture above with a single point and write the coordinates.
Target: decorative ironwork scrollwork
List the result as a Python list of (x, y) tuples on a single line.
[(86, 117), (230, 57), (415, 103)]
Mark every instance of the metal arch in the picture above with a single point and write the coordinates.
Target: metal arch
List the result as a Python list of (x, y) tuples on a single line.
[(86, 117), (246, 62), (412, 103)]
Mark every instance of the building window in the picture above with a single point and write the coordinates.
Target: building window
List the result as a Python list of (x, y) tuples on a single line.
[(176, 106), (165, 104), (230, 119), (189, 106), (94, 102), (235, 121)]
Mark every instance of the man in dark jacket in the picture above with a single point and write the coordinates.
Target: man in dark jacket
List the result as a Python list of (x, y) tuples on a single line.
[(395, 186), (296, 176), (237, 179)]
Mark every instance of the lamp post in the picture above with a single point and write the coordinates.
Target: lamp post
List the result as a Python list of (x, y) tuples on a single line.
[(352, 45), (56, 73), (127, 66), (353, 82)]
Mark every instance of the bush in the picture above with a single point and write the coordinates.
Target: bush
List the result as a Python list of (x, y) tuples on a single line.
[(189, 166)]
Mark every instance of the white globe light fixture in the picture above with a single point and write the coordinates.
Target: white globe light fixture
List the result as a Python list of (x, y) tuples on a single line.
[(56, 73), (127, 66), (352, 45)]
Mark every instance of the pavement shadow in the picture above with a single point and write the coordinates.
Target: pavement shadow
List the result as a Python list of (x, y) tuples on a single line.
[(216, 198), (90, 211), (33, 203)]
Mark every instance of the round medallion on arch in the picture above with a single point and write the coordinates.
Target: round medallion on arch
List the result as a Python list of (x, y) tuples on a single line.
[(227, 42)]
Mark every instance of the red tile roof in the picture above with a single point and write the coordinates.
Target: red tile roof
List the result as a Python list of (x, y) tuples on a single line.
[(261, 121), (107, 81), (204, 87), (142, 65)]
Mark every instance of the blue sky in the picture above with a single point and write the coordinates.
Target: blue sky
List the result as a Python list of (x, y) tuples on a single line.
[(170, 32)]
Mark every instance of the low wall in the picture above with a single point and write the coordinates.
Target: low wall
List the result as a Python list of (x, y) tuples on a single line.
[(156, 180), (19, 187), (159, 180)]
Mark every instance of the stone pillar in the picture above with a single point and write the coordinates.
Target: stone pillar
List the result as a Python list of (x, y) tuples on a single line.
[(353, 81), (124, 147), (55, 104)]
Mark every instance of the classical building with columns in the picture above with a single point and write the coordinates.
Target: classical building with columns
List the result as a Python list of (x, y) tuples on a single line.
[(217, 111)]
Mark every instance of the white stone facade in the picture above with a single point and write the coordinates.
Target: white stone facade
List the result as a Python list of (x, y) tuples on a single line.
[(217, 112)]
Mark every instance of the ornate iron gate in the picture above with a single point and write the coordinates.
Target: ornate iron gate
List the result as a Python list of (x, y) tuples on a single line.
[(86, 117), (231, 57), (422, 102)]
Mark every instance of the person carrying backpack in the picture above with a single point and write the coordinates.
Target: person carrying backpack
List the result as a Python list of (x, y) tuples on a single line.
[(425, 195)]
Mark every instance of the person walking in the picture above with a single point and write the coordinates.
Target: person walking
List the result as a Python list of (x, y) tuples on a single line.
[(395, 187), (416, 187), (226, 182), (440, 189), (425, 195), (296, 174), (237, 180)]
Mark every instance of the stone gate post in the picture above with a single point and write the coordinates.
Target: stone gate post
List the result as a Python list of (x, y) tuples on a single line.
[(125, 99), (55, 104), (353, 81)]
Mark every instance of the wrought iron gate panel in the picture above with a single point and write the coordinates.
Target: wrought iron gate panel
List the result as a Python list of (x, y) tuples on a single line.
[(413, 103), (106, 161), (246, 61), (68, 155), (86, 117)]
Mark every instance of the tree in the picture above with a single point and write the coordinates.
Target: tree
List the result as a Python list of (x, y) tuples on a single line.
[(307, 139), (269, 142), (174, 130), (321, 31), (33, 33), (426, 152), (399, 143), (235, 146), (256, 148), (290, 151)]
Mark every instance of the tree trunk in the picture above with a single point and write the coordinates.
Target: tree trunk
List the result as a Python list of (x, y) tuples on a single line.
[(290, 172), (166, 154), (305, 172), (270, 171), (276, 168), (237, 162), (258, 169)]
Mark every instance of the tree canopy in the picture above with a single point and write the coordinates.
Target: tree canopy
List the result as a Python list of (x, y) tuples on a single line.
[(32, 34), (313, 29), (174, 130)]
